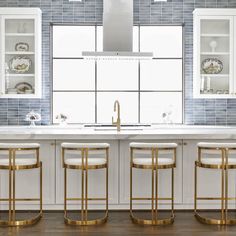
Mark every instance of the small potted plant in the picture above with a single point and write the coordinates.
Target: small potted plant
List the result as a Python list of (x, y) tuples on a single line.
[(33, 117), (62, 119)]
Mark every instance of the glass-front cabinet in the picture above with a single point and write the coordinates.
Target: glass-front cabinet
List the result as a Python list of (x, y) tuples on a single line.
[(20, 52), (214, 53)]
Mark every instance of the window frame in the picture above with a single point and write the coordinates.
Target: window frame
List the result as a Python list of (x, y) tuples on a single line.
[(139, 91)]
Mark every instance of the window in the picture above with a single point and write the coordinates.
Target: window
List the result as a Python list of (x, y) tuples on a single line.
[(149, 91)]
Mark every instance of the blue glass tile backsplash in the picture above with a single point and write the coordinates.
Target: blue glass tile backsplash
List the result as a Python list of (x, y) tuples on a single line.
[(197, 111)]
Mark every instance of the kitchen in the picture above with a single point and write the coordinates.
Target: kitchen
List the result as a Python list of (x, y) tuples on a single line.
[(120, 76)]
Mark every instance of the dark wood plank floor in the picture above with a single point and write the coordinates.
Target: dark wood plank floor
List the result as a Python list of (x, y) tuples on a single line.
[(119, 224)]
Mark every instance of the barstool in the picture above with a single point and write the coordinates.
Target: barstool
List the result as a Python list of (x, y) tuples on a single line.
[(150, 159), (223, 162), (13, 157), (85, 162)]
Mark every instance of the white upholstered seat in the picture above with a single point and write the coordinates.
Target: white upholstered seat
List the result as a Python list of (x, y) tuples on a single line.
[(21, 158), (153, 145), (146, 158), (217, 161), (85, 145), (19, 145), (91, 161), (19, 161), (216, 145), (148, 161)]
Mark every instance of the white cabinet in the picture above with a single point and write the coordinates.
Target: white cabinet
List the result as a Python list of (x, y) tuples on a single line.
[(20, 52), (27, 181), (142, 178), (96, 178), (214, 53), (209, 180)]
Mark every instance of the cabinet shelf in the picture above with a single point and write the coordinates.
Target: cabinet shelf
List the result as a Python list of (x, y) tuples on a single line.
[(214, 35), (215, 75), (20, 75), (215, 53), (19, 53), (19, 34)]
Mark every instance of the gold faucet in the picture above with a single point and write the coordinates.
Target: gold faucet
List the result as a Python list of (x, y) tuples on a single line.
[(117, 122)]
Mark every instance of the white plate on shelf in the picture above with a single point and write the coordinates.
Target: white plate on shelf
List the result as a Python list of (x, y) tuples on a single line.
[(20, 64)]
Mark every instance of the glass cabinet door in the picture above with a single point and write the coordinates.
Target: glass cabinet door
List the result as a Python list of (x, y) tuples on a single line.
[(18, 52), (215, 57)]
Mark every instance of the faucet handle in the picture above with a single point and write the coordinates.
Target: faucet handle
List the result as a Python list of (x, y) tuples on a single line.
[(113, 120)]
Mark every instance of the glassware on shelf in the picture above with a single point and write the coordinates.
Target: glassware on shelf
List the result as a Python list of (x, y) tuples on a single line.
[(213, 45), (22, 27)]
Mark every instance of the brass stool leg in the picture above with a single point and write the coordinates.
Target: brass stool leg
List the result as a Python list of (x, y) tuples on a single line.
[(131, 182), (41, 188), (226, 186), (195, 188), (222, 189), (156, 192), (65, 191), (172, 191), (10, 186)]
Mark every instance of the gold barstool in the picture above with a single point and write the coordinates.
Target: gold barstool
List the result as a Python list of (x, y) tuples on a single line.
[(84, 162), (13, 157), (224, 162), (150, 159)]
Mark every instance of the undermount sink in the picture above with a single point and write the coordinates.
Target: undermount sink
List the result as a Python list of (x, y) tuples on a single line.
[(124, 127), (114, 128)]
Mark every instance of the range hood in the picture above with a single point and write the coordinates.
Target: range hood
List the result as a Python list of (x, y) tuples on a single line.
[(117, 32)]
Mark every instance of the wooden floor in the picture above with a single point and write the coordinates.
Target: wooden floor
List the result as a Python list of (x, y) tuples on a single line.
[(119, 224)]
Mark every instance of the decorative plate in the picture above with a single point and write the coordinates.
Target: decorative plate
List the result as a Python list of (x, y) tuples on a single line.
[(20, 64), (22, 87), (22, 47), (212, 66)]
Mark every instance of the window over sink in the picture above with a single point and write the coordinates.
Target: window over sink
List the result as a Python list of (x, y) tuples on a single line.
[(149, 91)]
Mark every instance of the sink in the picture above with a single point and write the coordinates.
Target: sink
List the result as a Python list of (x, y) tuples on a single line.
[(124, 126), (114, 128)]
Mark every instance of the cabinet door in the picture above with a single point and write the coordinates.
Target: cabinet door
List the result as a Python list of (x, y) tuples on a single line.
[(209, 180), (96, 178), (142, 178), (27, 181), (21, 55), (213, 56)]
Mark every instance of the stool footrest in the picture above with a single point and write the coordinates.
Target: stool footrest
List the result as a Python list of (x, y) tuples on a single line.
[(215, 198), (19, 199), (166, 221), (86, 222), (89, 199), (149, 198), (22, 222), (211, 221)]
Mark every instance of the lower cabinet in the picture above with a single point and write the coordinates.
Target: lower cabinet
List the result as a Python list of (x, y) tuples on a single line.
[(96, 178), (142, 178), (27, 181), (209, 180)]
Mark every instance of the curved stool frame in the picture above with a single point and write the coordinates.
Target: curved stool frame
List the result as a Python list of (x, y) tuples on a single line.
[(12, 167), (154, 198), (84, 193), (224, 167)]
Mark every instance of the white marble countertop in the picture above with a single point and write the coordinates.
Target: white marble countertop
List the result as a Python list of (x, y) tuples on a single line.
[(74, 132)]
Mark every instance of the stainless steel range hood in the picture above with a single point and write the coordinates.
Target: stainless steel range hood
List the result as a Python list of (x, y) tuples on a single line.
[(118, 32)]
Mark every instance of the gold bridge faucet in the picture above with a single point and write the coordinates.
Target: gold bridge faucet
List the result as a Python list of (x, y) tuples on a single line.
[(117, 122)]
